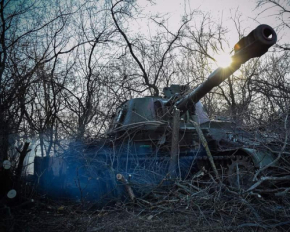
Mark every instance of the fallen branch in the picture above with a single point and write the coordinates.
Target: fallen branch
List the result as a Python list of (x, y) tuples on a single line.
[(283, 193), (204, 143), (174, 144), (272, 178), (121, 178)]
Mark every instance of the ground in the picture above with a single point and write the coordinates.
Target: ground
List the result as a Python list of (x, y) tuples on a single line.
[(182, 208)]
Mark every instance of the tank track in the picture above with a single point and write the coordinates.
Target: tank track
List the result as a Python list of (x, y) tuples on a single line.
[(223, 159), (226, 165)]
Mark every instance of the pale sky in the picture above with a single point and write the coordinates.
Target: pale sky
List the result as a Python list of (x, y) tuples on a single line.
[(219, 10)]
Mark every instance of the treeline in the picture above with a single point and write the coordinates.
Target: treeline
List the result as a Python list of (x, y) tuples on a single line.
[(66, 65)]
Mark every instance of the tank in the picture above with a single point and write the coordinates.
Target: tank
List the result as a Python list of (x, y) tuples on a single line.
[(157, 140)]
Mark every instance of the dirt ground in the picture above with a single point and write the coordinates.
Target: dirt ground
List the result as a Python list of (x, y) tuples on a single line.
[(120, 220), (182, 207), (210, 214)]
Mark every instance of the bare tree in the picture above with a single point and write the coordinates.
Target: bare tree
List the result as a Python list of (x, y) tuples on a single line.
[(152, 56), (281, 9), (30, 37)]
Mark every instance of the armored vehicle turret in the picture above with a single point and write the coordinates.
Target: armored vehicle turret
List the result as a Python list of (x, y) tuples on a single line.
[(146, 109)]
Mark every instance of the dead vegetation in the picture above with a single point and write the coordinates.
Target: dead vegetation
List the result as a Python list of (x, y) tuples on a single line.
[(42, 97), (203, 201), (197, 204)]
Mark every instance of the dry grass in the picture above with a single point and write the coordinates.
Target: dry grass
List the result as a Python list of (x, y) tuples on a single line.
[(186, 206)]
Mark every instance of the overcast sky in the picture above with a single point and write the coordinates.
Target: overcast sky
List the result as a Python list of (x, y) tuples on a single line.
[(219, 10)]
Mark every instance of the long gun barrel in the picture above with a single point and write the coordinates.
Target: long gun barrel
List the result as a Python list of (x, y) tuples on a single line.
[(253, 45)]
